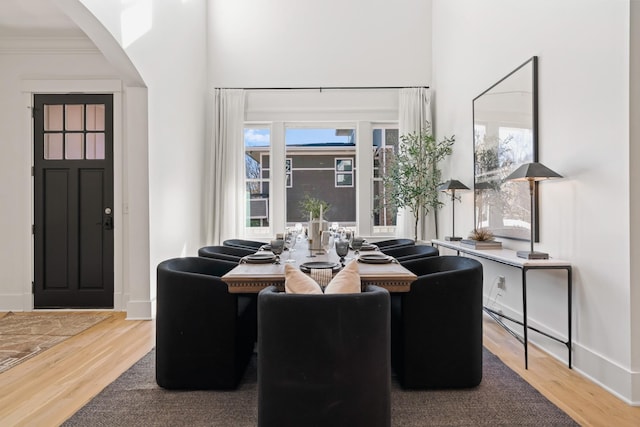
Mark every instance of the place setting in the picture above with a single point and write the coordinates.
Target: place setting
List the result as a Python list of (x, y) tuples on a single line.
[(266, 256), (261, 257), (376, 258)]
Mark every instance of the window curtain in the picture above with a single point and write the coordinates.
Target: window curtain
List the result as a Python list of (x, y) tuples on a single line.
[(225, 206), (414, 115)]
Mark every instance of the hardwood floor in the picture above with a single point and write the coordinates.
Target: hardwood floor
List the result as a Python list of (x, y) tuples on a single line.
[(47, 389)]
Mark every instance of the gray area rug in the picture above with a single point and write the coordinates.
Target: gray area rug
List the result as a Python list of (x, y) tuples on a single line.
[(134, 399)]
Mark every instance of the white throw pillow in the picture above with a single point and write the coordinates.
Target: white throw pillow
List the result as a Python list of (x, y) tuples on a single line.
[(346, 281), (296, 282)]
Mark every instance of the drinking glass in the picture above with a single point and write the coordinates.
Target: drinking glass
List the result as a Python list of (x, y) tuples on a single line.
[(326, 241), (277, 246), (356, 244), (342, 249), (290, 239)]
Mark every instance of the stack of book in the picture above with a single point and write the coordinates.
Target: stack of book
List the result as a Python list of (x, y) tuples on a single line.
[(481, 244)]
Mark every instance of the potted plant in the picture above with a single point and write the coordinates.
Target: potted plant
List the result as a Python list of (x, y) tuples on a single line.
[(313, 206), (413, 176), (316, 210), (481, 238)]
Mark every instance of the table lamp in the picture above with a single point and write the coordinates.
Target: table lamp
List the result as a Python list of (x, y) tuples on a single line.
[(532, 172), (450, 187)]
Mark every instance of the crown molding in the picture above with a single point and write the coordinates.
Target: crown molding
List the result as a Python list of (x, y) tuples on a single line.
[(47, 45)]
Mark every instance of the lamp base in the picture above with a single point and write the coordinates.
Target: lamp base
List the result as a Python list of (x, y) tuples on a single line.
[(453, 239), (532, 255)]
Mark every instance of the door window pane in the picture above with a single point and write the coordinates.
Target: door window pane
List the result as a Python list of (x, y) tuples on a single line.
[(74, 117), (323, 162), (95, 117), (73, 146), (53, 117), (53, 146), (95, 146)]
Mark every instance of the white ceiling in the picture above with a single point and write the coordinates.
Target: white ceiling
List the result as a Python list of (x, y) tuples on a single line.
[(34, 18)]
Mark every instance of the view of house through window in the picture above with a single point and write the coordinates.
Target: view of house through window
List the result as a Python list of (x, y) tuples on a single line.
[(257, 144), (322, 166), (385, 144), (319, 162)]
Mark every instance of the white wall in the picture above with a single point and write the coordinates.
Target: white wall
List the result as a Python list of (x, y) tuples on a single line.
[(583, 50), (292, 43), (634, 157), (166, 44)]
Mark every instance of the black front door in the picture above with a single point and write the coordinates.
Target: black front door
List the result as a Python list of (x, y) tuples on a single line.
[(73, 189)]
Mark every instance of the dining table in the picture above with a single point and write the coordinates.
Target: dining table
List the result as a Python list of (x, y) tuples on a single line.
[(252, 277)]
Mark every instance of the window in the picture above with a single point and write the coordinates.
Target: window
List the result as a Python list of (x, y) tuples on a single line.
[(288, 167), (74, 132), (385, 144), (316, 154), (257, 144), (344, 172)]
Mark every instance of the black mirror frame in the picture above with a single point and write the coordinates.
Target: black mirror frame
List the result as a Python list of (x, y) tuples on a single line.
[(504, 191)]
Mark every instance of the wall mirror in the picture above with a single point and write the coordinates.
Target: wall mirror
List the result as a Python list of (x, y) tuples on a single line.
[(505, 119)]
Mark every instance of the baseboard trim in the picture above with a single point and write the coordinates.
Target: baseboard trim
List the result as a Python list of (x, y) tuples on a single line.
[(13, 302), (611, 376), (141, 310)]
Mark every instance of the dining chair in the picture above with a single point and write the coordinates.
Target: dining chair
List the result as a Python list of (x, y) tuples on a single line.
[(436, 327), (204, 335), (386, 244), (246, 244), (228, 253), (409, 252), (324, 360)]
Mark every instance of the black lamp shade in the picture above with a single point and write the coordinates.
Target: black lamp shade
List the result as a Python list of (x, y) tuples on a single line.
[(532, 172), (452, 184)]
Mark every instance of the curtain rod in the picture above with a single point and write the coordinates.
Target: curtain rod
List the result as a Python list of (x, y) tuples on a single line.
[(324, 88)]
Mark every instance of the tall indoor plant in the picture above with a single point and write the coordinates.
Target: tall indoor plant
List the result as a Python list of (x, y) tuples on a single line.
[(413, 176)]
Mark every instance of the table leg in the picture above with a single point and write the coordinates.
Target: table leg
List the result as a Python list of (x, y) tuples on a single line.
[(524, 318), (569, 308)]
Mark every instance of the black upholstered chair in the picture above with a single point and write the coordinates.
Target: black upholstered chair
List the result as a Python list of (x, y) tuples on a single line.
[(436, 328), (323, 360), (386, 244), (406, 253), (204, 335), (246, 244), (228, 253)]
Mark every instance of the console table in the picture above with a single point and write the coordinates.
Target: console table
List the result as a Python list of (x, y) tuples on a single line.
[(509, 257)]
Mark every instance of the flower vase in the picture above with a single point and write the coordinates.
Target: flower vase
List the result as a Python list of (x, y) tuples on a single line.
[(316, 227)]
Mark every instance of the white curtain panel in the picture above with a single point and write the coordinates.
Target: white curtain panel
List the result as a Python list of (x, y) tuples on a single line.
[(225, 208), (414, 115)]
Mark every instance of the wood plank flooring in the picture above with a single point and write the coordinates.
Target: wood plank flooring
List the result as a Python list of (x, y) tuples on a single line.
[(50, 387)]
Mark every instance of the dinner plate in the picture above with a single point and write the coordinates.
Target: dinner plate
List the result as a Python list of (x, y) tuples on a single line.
[(307, 266), (368, 247), (260, 258), (375, 258)]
